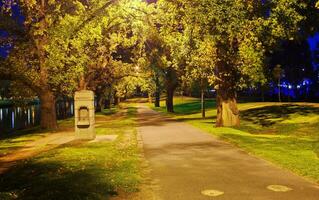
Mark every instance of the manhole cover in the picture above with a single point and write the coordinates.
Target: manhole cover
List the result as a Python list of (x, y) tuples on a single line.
[(212, 193), (279, 188)]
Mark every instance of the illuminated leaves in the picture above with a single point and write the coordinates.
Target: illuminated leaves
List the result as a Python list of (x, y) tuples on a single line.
[(195, 38)]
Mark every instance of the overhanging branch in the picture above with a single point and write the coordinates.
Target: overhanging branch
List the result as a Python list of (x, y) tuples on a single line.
[(92, 16)]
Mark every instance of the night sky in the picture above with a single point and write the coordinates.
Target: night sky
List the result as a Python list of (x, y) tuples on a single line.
[(313, 41), (17, 15)]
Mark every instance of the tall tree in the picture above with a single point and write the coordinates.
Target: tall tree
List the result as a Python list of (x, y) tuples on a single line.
[(240, 32), (48, 26)]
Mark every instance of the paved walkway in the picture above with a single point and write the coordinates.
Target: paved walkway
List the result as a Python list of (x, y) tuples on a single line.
[(188, 164)]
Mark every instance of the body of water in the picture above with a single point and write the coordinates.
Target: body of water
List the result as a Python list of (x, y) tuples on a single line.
[(18, 118)]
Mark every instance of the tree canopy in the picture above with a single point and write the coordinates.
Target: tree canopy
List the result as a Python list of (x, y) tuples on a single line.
[(106, 45)]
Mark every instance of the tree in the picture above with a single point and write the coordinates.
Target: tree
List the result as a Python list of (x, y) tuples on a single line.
[(38, 58), (240, 32), (200, 66), (65, 45), (162, 36)]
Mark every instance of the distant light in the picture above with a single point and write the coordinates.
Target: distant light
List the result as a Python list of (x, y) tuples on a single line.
[(290, 87), (298, 86)]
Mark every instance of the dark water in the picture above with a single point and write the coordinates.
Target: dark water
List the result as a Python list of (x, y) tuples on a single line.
[(18, 118)]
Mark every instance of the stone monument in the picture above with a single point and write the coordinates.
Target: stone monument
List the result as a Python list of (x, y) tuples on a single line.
[(84, 115)]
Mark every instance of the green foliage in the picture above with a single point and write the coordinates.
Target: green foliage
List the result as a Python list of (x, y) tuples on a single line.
[(71, 39), (71, 45), (236, 35), (79, 38)]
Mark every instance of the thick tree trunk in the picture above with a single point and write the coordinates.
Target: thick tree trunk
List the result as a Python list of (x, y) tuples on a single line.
[(169, 99), (171, 85), (48, 110), (47, 99), (157, 99), (203, 103), (227, 111)]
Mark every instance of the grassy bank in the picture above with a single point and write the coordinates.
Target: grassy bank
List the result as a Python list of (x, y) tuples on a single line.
[(81, 170), (285, 134)]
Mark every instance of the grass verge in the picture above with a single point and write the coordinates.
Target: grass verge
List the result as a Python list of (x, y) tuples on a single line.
[(81, 170)]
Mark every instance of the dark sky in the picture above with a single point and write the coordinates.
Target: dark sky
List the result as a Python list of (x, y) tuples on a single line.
[(313, 42), (4, 50), (17, 15)]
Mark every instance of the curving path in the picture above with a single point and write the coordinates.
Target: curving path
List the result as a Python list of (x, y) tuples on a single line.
[(188, 164)]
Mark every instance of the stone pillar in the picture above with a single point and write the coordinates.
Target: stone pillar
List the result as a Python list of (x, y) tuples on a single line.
[(84, 115)]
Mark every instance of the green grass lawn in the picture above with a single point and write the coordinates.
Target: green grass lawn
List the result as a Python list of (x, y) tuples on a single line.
[(285, 134), (18, 139), (81, 170)]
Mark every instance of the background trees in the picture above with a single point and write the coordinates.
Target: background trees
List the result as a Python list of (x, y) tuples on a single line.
[(63, 45), (109, 45), (240, 33)]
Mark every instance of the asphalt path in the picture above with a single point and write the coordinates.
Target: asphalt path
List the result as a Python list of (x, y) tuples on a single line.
[(188, 164)]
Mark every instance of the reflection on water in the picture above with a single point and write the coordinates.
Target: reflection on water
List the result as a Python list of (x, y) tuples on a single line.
[(17, 118)]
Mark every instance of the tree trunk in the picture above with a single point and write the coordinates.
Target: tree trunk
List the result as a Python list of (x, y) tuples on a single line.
[(169, 99), (279, 92), (157, 99), (227, 111), (108, 102), (100, 104), (203, 103), (48, 111), (115, 98), (157, 92), (171, 85)]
